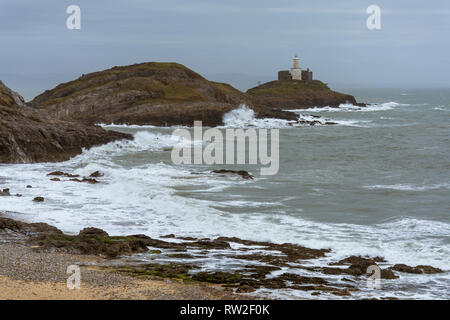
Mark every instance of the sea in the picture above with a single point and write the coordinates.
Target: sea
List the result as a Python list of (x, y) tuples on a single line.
[(375, 183)]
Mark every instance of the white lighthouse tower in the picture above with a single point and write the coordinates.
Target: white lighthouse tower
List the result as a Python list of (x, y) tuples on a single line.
[(296, 72)]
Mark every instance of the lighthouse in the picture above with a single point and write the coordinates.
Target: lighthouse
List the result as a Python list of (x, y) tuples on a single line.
[(296, 72)]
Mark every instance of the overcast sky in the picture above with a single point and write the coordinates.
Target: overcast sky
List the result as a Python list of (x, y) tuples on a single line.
[(254, 38)]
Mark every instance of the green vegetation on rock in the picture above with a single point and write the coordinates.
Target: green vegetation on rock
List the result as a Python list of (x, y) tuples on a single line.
[(153, 93), (287, 87), (297, 94)]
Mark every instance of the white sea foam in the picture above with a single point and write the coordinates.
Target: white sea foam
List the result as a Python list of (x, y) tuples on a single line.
[(143, 141), (240, 116), (244, 117), (441, 108), (409, 187), (139, 126), (326, 121), (129, 126), (347, 107)]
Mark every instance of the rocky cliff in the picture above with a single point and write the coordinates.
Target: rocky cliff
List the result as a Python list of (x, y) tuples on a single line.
[(161, 94), (27, 137), (288, 94)]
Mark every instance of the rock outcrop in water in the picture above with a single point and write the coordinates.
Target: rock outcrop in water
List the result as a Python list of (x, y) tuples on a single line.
[(291, 94), (244, 174), (26, 136), (161, 94)]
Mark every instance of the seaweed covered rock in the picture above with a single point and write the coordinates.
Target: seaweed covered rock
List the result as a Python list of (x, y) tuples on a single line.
[(27, 228), (91, 241), (244, 174), (416, 270), (358, 266)]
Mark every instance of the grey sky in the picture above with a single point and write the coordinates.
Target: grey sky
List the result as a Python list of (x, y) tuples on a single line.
[(227, 38)]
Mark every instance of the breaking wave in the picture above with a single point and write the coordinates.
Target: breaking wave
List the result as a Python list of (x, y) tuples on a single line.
[(143, 141), (347, 107), (409, 187), (440, 108), (244, 117), (129, 126)]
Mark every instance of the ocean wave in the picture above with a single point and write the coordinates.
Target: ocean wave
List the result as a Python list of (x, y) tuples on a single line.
[(143, 141), (139, 126), (440, 108), (127, 126), (409, 187), (244, 117), (325, 121), (347, 107)]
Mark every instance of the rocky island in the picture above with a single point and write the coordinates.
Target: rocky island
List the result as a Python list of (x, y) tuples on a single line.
[(292, 94), (296, 89), (167, 94), (153, 93)]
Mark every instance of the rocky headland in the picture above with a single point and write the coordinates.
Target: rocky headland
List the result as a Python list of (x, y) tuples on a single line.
[(27, 136)]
